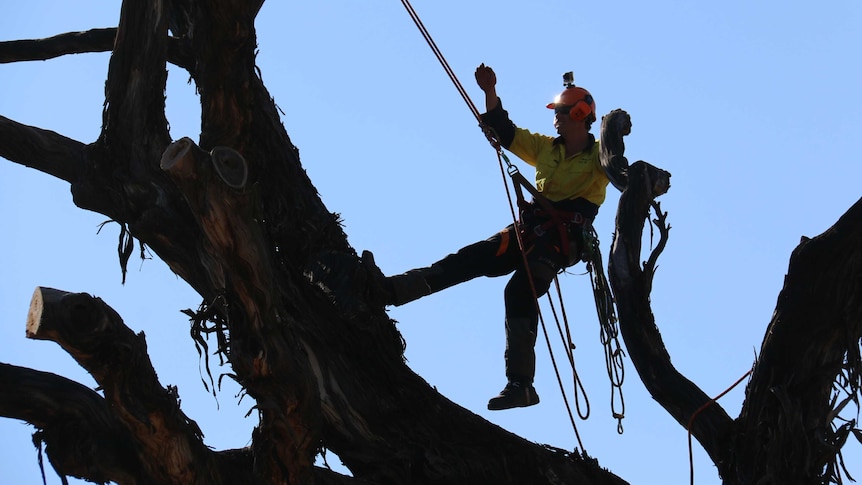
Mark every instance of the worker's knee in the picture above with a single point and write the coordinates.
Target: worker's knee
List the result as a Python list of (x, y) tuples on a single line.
[(542, 272), (519, 295)]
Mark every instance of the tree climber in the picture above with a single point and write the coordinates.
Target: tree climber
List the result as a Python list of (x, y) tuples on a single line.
[(570, 176)]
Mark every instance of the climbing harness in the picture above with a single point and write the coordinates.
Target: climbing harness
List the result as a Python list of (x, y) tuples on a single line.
[(556, 218), (590, 253)]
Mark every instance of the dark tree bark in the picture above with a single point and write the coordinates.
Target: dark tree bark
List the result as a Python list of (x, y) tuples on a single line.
[(235, 215), (809, 364)]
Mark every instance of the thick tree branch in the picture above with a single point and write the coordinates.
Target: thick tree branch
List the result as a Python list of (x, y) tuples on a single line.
[(679, 396), (170, 444), (82, 437), (44, 150), (213, 183), (641, 184), (134, 116), (785, 429), (269, 354), (400, 430), (266, 353), (93, 40), (615, 125)]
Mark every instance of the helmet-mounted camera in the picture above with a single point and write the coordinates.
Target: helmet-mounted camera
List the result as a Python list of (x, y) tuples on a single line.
[(578, 100)]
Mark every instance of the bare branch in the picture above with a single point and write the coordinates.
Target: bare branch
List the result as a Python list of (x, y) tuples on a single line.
[(660, 222), (615, 125), (44, 150), (679, 396), (84, 439), (94, 40)]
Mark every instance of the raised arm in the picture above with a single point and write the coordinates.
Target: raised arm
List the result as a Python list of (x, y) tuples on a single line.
[(487, 81)]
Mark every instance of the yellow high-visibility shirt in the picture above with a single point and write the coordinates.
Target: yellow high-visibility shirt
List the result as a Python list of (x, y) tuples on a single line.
[(557, 177)]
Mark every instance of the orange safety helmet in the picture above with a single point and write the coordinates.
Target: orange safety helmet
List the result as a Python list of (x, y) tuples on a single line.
[(580, 101)]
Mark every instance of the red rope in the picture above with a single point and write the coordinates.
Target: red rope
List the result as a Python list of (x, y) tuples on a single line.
[(539, 310), (442, 59), (700, 410)]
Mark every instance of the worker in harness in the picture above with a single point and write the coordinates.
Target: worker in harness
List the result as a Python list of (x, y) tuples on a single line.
[(570, 179)]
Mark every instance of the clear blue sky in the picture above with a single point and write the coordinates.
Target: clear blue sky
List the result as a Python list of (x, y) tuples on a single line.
[(754, 107)]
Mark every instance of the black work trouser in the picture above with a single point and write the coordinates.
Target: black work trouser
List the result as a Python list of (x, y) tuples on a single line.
[(500, 255)]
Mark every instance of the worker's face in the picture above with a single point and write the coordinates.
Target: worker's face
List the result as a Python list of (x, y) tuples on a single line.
[(564, 123)]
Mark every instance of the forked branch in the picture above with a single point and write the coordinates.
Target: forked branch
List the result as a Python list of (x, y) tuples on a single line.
[(632, 285)]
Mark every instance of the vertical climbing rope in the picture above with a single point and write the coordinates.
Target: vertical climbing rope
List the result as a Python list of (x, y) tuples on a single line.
[(439, 55), (512, 171)]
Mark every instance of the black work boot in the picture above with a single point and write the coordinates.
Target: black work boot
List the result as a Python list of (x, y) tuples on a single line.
[(515, 395), (379, 287), (399, 289)]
